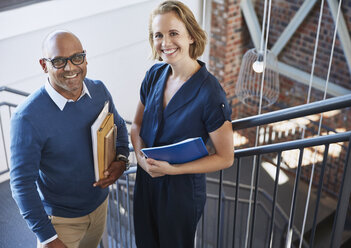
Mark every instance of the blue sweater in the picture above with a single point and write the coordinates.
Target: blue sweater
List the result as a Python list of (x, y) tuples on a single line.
[(52, 168)]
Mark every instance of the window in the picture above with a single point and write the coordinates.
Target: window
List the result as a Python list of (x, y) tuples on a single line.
[(12, 4)]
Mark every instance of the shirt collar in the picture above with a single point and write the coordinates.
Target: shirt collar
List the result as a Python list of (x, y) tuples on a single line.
[(58, 99)]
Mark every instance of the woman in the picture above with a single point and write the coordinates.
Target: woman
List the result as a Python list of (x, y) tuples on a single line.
[(179, 99)]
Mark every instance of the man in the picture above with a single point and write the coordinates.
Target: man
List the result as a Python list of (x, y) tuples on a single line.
[(52, 170)]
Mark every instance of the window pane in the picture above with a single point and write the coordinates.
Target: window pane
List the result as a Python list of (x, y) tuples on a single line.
[(12, 4)]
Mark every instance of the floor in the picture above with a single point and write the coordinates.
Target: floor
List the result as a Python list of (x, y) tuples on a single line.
[(14, 232)]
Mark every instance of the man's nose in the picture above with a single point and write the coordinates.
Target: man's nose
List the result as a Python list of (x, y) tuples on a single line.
[(69, 65)]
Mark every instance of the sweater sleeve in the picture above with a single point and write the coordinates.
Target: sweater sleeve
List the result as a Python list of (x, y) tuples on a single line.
[(26, 146)]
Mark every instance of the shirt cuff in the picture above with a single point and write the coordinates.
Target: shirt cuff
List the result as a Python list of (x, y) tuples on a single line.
[(50, 239)]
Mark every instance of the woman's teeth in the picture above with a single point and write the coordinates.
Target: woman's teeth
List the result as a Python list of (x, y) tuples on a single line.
[(169, 51)]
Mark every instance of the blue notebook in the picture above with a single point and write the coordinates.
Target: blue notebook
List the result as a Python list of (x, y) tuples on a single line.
[(181, 152)]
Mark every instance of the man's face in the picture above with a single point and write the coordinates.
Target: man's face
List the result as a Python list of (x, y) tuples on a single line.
[(68, 81)]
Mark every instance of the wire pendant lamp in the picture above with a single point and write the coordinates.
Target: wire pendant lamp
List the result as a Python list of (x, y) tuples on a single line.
[(253, 68)]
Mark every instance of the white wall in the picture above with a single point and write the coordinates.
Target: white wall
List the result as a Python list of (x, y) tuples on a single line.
[(114, 33)]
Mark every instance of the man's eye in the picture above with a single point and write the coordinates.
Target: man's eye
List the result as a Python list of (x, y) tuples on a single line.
[(77, 58), (173, 33), (58, 61)]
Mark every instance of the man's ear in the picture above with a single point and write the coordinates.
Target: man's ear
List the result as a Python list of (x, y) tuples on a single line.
[(43, 65)]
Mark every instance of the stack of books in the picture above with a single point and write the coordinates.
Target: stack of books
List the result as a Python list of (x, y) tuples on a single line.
[(103, 135)]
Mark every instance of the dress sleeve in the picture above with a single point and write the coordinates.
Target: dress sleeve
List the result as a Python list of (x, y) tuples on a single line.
[(26, 146), (216, 109), (145, 88)]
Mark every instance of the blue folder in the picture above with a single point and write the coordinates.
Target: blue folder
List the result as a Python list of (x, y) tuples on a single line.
[(178, 153)]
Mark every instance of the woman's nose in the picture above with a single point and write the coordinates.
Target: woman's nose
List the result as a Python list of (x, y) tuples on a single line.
[(165, 41)]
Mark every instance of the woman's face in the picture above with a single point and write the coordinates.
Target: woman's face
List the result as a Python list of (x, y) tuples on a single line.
[(171, 38)]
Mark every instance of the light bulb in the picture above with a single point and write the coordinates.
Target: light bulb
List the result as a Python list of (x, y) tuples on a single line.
[(257, 66)]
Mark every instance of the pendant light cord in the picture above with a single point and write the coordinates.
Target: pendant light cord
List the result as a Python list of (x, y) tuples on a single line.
[(320, 121), (260, 106)]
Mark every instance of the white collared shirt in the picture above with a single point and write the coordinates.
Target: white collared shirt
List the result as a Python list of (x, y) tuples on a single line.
[(60, 100)]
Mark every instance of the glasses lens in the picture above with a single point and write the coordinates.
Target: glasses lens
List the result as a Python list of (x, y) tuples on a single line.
[(59, 62), (78, 59)]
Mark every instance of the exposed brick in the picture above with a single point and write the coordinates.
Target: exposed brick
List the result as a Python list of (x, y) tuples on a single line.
[(230, 40)]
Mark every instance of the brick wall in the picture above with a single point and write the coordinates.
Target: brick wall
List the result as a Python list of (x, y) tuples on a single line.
[(230, 39)]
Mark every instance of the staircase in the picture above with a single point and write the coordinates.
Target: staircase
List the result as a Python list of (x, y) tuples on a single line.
[(276, 206)]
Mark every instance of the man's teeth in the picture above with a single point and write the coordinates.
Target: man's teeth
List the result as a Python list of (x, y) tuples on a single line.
[(169, 51), (70, 76)]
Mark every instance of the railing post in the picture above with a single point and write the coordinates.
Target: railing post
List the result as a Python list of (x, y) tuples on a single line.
[(219, 224), (236, 199), (128, 211), (271, 229), (341, 210), (293, 202), (258, 161)]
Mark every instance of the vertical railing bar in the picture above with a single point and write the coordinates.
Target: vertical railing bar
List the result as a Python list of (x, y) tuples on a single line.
[(236, 198), (203, 227), (219, 229), (118, 215), (293, 204), (125, 226), (128, 207), (9, 108), (320, 187), (335, 179), (227, 211), (270, 239), (109, 221), (330, 164), (258, 161), (113, 226), (344, 196), (3, 142)]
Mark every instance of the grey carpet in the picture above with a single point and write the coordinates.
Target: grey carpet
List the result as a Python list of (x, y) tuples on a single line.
[(14, 232)]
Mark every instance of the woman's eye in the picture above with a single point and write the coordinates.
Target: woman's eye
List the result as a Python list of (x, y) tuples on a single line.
[(157, 36), (173, 33)]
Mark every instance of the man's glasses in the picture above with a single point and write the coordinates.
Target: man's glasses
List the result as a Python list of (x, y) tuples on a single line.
[(61, 62)]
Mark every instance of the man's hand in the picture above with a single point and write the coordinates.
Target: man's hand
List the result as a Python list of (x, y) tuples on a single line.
[(56, 243), (114, 171)]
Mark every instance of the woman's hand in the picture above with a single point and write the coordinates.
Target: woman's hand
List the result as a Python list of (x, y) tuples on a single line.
[(155, 168)]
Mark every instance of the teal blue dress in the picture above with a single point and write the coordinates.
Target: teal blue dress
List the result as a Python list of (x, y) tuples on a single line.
[(167, 209)]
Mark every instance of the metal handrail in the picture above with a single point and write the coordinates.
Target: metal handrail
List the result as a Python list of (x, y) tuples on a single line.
[(293, 112), (295, 144), (10, 106), (14, 91)]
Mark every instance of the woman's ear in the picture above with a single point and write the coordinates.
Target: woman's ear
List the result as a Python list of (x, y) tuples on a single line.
[(191, 40)]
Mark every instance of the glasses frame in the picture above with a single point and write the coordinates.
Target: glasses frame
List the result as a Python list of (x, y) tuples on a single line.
[(66, 60)]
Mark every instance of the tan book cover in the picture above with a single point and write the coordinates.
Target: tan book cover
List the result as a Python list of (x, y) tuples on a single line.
[(105, 127), (110, 146)]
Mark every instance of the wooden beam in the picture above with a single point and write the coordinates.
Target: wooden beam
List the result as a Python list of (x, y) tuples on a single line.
[(343, 32), (293, 26), (252, 22), (304, 77), (284, 69)]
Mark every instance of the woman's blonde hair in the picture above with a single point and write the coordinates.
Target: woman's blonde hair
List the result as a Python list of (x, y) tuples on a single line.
[(197, 48)]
